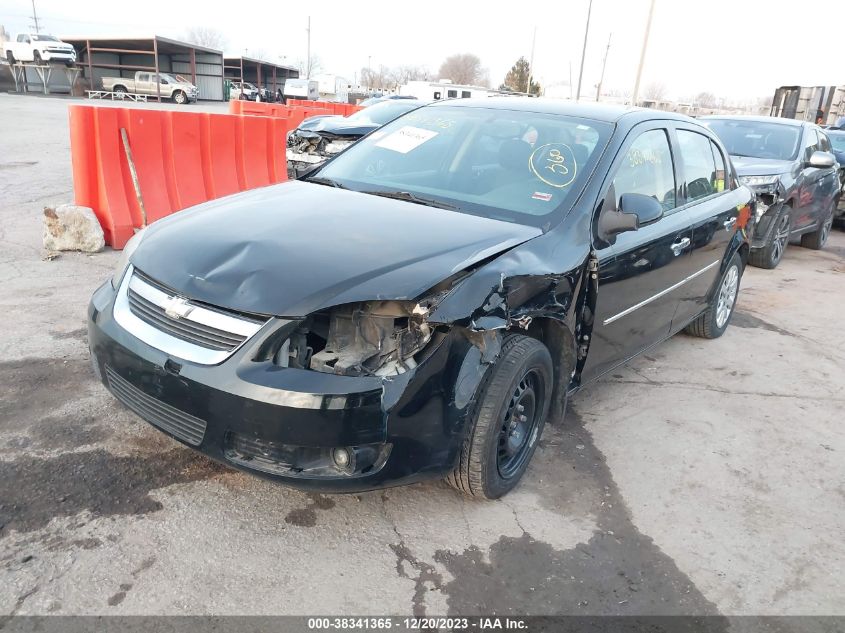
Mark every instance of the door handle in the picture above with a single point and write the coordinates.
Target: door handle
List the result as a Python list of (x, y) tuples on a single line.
[(729, 223), (680, 245)]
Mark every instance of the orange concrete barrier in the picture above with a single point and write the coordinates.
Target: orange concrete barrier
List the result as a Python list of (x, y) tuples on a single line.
[(181, 159)]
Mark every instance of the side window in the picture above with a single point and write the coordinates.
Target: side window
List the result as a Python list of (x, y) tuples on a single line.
[(721, 168), (699, 165), (452, 94), (437, 96), (824, 142), (647, 169), (465, 94), (811, 143)]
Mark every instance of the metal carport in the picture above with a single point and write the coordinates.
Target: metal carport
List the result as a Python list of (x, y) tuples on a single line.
[(260, 73), (122, 57)]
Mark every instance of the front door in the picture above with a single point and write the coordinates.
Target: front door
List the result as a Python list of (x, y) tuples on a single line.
[(807, 206), (639, 273)]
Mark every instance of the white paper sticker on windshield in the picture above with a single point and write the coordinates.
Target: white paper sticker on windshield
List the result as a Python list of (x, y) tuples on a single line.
[(406, 138)]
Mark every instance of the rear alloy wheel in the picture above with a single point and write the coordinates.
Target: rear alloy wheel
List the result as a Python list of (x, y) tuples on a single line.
[(818, 238), (770, 255), (713, 322), (120, 92), (508, 419)]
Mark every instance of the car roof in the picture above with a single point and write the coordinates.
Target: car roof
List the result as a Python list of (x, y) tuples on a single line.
[(835, 131), (608, 113), (757, 119)]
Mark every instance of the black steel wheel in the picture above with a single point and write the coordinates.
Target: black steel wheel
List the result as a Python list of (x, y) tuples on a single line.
[(519, 421), (507, 420)]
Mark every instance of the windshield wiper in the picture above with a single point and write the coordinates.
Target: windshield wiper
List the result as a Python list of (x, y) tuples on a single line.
[(318, 180), (407, 196)]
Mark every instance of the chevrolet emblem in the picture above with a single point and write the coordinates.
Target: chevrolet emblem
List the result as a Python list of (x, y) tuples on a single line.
[(177, 308)]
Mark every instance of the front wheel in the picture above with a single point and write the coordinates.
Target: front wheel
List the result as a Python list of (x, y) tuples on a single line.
[(10, 57), (713, 322), (509, 416), (36, 57), (769, 256), (180, 97), (818, 238)]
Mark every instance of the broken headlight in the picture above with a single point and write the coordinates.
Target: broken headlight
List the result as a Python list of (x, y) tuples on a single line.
[(123, 262), (374, 338)]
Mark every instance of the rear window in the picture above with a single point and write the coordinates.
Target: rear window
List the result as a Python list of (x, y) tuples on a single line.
[(757, 139)]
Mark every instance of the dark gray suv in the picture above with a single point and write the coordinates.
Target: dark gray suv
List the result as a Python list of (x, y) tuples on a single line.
[(790, 167)]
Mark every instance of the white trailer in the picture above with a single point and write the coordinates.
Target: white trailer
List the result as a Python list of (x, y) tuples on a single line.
[(437, 90), (302, 89)]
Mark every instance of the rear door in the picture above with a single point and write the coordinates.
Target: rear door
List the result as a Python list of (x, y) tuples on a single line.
[(708, 199), (638, 274)]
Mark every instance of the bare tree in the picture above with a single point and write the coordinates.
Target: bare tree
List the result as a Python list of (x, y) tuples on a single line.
[(705, 100), (376, 78), (207, 37), (400, 75), (655, 91), (310, 67), (463, 68)]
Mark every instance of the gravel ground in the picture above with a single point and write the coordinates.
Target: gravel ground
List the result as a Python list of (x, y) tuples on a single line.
[(705, 477)]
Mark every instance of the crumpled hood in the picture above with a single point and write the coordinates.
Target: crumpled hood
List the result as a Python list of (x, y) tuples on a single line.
[(297, 247), (749, 166), (338, 125)]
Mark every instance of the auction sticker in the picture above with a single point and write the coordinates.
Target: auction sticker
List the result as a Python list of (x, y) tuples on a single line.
[(406, 138)]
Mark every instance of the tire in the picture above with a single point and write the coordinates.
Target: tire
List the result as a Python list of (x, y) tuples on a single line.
[(769, 256), (818, 238), (36, 57), (501, 437), (713, 322), (10, 57), (180, 97), (120, 91)]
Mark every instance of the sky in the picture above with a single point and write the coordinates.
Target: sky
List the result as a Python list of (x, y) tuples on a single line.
[(736, 49)]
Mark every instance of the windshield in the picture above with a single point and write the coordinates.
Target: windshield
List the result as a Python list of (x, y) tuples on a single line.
[(381, 113), (167, 77), (45, 38), (504, 164), (837, 140), (757, 139)]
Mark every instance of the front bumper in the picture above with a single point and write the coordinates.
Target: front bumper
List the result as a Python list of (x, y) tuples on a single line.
[(58, 56), (244, 400)]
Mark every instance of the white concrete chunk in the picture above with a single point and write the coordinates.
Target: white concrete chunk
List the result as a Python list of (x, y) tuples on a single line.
[(69, 227)]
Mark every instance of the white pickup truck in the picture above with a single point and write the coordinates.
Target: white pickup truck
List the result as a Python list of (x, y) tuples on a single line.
[(39, 48), (149, 84)]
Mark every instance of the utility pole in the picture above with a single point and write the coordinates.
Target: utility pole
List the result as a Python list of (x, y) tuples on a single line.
[(584, 50), (603, 66), (35, 17), (642, 55), (531, 63), (308, 54)]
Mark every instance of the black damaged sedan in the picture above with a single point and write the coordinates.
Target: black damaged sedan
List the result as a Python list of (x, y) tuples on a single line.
[(420, 304)]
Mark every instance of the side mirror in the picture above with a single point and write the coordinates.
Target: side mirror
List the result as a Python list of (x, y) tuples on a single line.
[(635, 210), (821, 160)]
